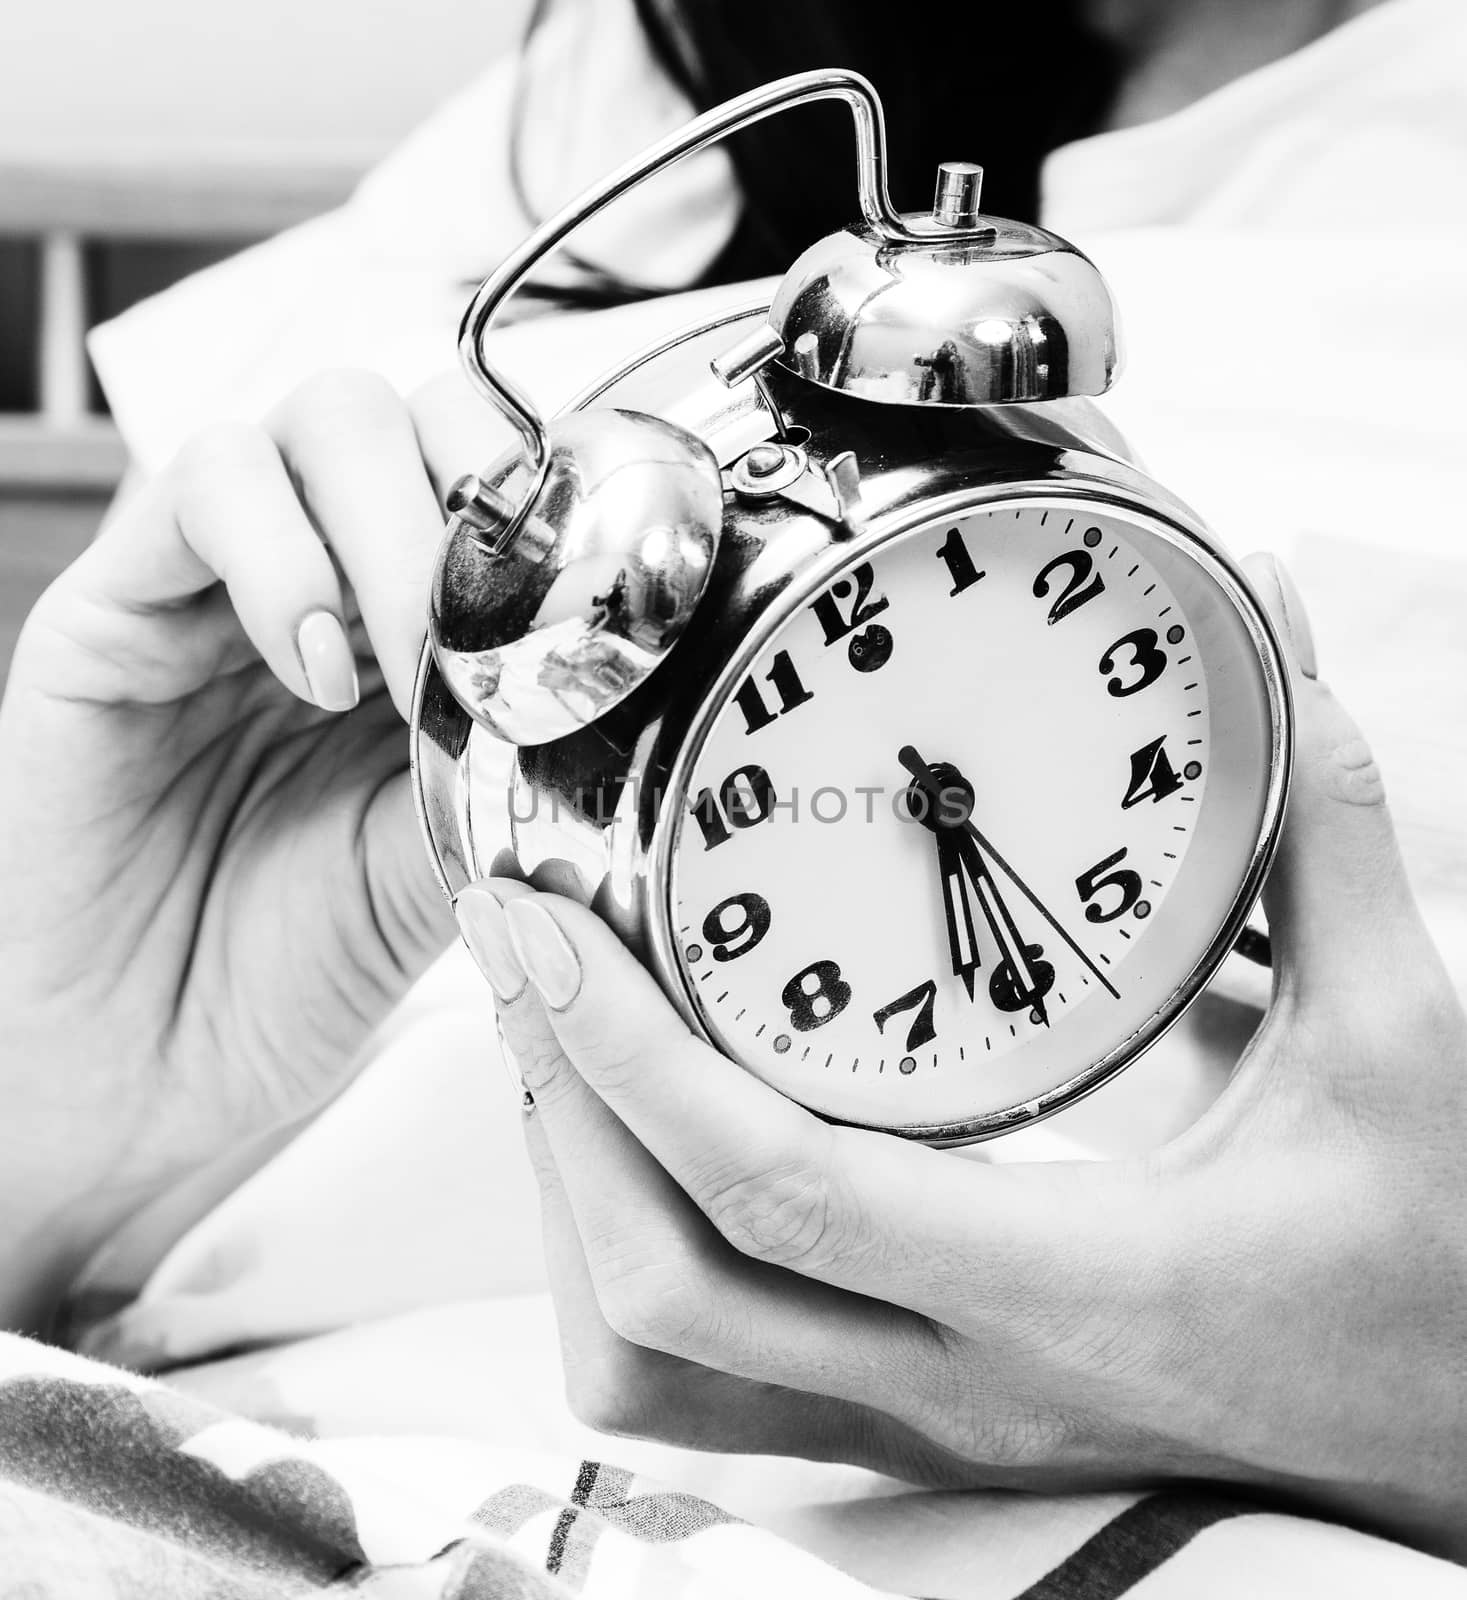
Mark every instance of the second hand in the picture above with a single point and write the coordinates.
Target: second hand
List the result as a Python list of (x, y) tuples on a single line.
[(1040, 907)]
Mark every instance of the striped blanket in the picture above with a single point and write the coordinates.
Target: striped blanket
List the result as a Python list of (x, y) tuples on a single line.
[(113, 1484)]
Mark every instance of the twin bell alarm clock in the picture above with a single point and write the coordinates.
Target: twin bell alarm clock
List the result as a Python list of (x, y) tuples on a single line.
[(840, 655)]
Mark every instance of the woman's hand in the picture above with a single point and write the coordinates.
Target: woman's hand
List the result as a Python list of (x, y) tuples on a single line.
[(1278, 1299), (212, 878)]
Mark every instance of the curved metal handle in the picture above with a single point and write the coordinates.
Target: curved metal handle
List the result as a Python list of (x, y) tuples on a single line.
[(783, 94)]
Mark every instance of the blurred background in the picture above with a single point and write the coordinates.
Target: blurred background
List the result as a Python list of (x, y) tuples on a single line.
[(143, 139)]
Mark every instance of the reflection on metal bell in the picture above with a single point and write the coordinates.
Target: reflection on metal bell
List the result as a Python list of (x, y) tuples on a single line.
[(543, 620), (1008, 314)]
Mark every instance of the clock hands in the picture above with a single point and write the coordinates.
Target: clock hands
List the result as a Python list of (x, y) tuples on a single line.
[(1022, 978), (1042, 909)]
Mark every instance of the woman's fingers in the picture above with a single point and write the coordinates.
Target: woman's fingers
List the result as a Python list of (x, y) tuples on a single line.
[(335, 473), (1341, 911), (967, 1245), (992, 1311), (457, 432), (775, 1181), (349, 443), (225, 512), (665, 1281), (619, 1387)]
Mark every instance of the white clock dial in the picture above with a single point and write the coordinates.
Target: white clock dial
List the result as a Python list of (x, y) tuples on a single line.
[(1078, 710)]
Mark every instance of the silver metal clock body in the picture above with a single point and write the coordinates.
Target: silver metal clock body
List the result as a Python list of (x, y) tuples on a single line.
[(812, 478)]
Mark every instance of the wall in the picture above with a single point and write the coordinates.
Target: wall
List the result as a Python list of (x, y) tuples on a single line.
[(341, 75), (340, 80), (326, 83)]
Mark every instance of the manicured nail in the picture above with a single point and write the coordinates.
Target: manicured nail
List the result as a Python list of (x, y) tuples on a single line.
[(544, 952), (482, 922), (1296, 620), (1293, 620), (327, 661)]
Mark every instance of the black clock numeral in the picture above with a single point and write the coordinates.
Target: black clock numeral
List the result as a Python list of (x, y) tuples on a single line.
[(1076, 590), (1089, 884), (816, 995), (787, 686), (921, 1031), (751, 922), (1144, 654), (828, 607), (959, 563), (1153, 777), (746, 798)]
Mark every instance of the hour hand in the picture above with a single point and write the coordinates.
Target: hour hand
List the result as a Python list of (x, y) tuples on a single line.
[(962, 938), (957, 882)]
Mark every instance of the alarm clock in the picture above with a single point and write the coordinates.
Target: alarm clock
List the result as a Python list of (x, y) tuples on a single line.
[(840, 654)]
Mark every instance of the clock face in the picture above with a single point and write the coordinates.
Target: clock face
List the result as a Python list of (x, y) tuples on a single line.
[(957, 839)]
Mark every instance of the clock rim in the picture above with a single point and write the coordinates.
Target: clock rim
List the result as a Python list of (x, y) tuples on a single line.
[(1195, 541)]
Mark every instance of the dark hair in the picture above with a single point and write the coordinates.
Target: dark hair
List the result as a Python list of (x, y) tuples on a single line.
[(1001, 82)]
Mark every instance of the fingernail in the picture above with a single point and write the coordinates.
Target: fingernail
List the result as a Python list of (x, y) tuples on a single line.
[(482, 923), (545, 953), (1295, 620), (327, 661)]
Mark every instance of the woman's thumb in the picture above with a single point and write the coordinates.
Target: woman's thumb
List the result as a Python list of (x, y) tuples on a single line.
[(1338, 901)]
